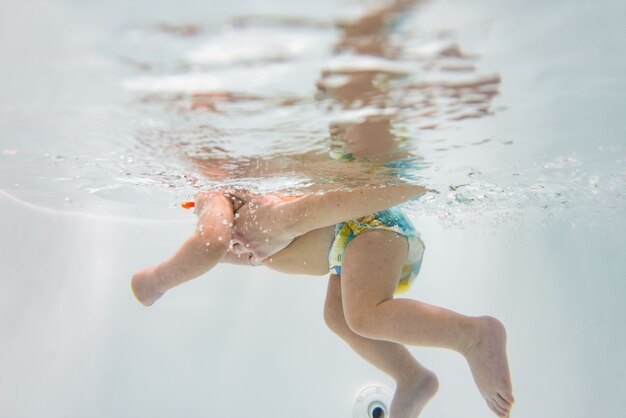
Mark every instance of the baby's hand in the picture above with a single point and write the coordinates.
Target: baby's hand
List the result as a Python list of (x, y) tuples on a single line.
[(259, 227)]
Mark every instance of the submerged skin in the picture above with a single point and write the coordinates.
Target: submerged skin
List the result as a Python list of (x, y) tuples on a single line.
[(361, 309), (293, 235), (268, 223)]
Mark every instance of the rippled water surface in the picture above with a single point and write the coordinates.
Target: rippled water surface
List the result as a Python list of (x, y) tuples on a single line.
[(135, 115)]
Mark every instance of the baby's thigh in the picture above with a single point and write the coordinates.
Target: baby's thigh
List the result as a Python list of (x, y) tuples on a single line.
[(371, 268), (215, 218)]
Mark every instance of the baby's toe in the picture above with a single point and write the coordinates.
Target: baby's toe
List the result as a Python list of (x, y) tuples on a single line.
[(507, 396), (502, 404), (496, 408)]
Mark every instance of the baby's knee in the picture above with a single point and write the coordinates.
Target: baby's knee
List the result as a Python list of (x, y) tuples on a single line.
[(360, 322), (214, 230), (213, 203), (333, 317), (211, 241)]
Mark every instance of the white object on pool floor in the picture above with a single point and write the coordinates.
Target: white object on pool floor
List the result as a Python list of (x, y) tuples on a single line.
[(372, 402)]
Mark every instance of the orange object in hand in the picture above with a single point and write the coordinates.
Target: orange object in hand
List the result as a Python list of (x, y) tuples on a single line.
[(188, 205)]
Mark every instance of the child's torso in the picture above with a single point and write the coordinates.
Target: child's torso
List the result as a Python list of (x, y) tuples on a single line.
[(307, 254)]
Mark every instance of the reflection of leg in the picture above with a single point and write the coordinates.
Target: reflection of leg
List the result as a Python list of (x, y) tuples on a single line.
[(198, 254), (416, 385), (367, 286)]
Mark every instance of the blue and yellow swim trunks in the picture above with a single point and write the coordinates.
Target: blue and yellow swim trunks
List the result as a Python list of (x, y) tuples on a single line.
[(392, 219)]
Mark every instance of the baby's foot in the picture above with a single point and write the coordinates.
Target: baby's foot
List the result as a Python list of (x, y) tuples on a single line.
[(412, 395), (143, 284), (489, 364)]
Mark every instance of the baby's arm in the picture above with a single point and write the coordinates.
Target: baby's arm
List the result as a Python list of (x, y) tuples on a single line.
[(317, 211), (269, 223), (198, 254)]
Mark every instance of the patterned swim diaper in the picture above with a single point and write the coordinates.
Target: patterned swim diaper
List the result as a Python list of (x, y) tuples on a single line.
[(392, 219)]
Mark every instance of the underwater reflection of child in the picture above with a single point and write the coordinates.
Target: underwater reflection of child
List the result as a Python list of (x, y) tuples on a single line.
[(373, 252)]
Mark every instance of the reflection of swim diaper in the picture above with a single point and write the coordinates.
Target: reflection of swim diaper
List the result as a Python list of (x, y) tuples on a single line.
[(405, 168), (391, 220)]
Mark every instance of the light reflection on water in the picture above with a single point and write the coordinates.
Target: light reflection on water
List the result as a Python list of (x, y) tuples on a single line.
[(261, 101), (256, 117)]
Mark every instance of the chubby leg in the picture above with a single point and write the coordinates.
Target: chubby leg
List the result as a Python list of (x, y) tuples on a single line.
[(367, 286), (415, 385), (198, 254)]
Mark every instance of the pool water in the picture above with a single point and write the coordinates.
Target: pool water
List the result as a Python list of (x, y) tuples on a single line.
[(113, 114)]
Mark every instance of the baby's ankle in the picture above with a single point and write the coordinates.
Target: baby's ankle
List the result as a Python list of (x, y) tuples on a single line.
[(418, 375), (478, 328), (470, 336)]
